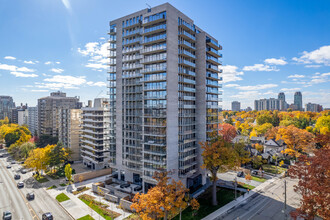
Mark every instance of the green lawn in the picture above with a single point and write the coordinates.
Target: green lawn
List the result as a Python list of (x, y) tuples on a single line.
[(98, 207), (86, 217), (62, 197), (62, 184), (258, 179), (272, 169), (52, 187), (41, 179), (247, 186), (205, 200)]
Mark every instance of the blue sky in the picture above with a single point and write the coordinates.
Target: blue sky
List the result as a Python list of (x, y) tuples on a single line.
[(268, 46)]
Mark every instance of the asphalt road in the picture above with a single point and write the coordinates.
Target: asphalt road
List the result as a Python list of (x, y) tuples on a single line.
[(268, 204), (15, 198)]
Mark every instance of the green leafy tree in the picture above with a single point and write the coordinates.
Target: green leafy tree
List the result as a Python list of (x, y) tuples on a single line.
[(45, 140), (68, 172), (256, 161), (57, 156)]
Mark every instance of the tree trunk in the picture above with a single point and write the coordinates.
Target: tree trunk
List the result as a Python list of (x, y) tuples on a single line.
[(214, 189), (166, 214)]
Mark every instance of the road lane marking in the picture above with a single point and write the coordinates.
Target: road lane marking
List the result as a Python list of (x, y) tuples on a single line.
[(33, 213)]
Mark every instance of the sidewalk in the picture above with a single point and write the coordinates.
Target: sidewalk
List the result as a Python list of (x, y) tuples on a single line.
[(232, 205)]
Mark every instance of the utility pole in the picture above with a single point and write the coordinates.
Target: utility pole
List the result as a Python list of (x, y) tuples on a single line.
[(235, 188)]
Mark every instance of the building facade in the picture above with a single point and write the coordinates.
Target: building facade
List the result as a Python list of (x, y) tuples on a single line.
[(95, 134), (47, 111), (312, 107), (164, 83), (70, 130), (32, 121), (6, 105), (22, 116), (298, 100), (236, 106)]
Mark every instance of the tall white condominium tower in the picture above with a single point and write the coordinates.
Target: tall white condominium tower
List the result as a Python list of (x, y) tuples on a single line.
[(33, 120), (95, 134), (165, 91)]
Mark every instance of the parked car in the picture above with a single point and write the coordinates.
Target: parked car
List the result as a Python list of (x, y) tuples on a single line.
[(137, 188), (30, 196), (8, 166), (17, 177), (125, 185), (254, 172), (13, 162), (6, 215), (47, 216), (20, 185), (240, 174), (23, 171)]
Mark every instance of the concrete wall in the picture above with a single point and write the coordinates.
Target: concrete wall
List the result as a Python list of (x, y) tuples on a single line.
[(91, 174)]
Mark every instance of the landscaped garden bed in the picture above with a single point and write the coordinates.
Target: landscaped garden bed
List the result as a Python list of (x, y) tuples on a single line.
[(62, 197)]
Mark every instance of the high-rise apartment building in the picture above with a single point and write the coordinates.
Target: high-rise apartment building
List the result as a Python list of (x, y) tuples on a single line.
[(95, 134), (33, 120), (47, 111), (267, 104), (6, 104), (69, 130), (312, 107), (298, 100), (165, 91), (282, 102), (236, 106)]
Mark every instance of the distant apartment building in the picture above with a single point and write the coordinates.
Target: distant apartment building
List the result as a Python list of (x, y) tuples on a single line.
[(32, 121), (47, 111), (165, 94), (298, 100), (22, 116), (236, 106), (19, 115), (312, 107), (248, 109), (95, 134), (6, 105), (70, 130), (271, 103), (283, 104)]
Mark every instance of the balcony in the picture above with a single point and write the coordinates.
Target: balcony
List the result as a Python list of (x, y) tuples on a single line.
[(155, 29), (186, 89), (131, 67), (153, 70), (187, 27), (187, 54), (188, 72), (211, 67), (158, 19), (133, 24), (212, 43), (187, 45), (158, 153), (187, 63), (188, 81), (162, 163), (189, 98), (132, 58), (187, 36), (154, 40), (112, 31), (154, 78), (154, 143), (131, 50), (213, 52), (131, 42), (213, 60), (136, 32), (154, 60)]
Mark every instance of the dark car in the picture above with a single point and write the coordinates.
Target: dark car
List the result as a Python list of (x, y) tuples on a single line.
[(20, 185), (254, 172), (6, 215), (137, 188), (23, 171), (240, 174), (17, 177), (125, 185), (47, 216), (30, 196), (8, 166)]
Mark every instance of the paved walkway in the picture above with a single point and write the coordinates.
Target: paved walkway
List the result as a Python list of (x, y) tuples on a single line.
[(225, 209), (230, 176)]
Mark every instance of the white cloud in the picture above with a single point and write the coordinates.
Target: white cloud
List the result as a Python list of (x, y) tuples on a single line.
[(29, 62), (275, 61), (260, 67), (230, 73), (67, 4), (99, 84), (231, 85), (19, 74), (97, 53), (56, 70), (72, 80), (313, 66), (48, 63), (296, 76), (15, 68), (257, 87), (58, 62), (290, 89), (319, 56), (9, 58), (39, 90)]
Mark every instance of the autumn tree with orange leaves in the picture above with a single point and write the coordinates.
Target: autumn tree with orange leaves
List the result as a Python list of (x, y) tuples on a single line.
[(227, 131), (218, 156), (297, 140), (163, 200), (313, 173)]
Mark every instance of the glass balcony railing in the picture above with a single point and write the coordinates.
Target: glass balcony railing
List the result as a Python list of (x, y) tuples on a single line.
[(155, 28), (187, 53), (184, 42)]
